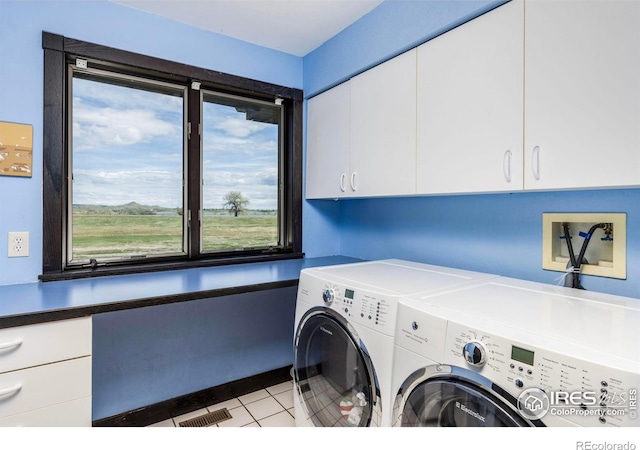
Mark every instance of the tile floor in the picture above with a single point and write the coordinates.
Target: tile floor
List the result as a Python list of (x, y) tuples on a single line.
[(270, 407)]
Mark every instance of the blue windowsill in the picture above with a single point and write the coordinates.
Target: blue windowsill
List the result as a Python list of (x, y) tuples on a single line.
[(23, 304)]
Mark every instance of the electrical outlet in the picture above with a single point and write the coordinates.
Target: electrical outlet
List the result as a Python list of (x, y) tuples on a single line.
[(18, 244), (605, 251)]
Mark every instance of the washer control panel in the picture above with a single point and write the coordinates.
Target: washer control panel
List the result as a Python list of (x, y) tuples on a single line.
[(474, 353), (328, 295), (578, 390)]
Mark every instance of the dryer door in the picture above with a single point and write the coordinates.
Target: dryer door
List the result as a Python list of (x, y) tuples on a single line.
[(453, 397), (333, 372)]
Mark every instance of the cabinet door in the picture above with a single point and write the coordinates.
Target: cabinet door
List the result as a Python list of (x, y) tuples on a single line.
[(328, 141), (582, 94), (43, 343), (74, 413), (469, 100), (41, 386), (383, 128)]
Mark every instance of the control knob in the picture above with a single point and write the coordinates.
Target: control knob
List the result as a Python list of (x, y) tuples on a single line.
[(327, 296), (474, 353)]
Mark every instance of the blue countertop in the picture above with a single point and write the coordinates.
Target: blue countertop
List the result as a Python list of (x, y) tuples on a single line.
[(23, 304)]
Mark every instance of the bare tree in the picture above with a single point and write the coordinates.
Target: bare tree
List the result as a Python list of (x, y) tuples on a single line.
[(235, 202)]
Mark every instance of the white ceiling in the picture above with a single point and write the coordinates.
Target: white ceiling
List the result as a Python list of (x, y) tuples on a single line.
[(291, 26)]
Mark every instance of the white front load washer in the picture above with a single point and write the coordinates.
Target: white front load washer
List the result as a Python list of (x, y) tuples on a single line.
[(516, 353), (343, 344)]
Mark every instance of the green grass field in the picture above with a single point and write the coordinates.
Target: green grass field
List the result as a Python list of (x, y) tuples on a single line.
[(100, 236)]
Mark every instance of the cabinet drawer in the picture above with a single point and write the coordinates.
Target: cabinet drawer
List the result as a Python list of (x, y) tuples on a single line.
[(76, 413), (41, 386), (33, 345)]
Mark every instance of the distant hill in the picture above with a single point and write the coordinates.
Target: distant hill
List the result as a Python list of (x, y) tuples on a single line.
[(136, 209), (129, 209)]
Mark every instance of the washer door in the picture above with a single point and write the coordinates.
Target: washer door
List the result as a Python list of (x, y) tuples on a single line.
[(454, 397), (333, 372)]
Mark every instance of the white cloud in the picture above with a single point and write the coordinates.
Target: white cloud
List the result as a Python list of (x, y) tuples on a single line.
[(121, 97), (95, 127), (110, 120), (240, 127), (228, 146)]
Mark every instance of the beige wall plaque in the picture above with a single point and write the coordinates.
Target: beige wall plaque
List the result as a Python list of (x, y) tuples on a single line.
[(16, 149)]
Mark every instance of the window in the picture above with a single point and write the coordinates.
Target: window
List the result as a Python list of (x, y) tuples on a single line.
[(126, 154), (240, 172), (154, 165)]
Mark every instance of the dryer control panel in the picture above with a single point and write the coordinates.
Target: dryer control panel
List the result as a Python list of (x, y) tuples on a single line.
[(366, 307), (574, 389)]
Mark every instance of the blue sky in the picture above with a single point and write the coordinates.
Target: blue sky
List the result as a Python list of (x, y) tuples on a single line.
[(239, 155), (128, 147)]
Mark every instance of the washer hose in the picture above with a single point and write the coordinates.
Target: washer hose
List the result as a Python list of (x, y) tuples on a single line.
[(576, 263)]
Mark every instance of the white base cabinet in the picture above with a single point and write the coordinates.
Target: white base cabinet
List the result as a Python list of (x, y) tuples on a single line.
[(74, 413), (45, 374)]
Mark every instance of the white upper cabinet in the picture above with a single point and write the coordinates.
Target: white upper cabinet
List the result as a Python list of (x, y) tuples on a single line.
[(582, 94), (328, 143), (470, 106), (361, 134), (533, 95), (383, 129)]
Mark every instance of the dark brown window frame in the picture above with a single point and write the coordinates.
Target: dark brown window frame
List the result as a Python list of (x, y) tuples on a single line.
[(58, 52)]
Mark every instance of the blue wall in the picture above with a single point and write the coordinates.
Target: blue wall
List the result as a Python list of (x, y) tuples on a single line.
[(153, 354), (109, 24), (148, 355), (498, 233), (386, 31), (493, 233)]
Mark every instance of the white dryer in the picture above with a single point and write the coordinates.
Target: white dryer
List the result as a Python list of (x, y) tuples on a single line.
[(344, 326), (517, 353)]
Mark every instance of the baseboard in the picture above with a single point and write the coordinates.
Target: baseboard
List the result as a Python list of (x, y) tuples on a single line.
[(158, 412)]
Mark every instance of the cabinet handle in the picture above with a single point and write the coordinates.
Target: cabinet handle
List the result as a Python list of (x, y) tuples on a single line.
[(535, 162), (342, 177), (506, 165), (11, 344), (353, 181), (11, 390)]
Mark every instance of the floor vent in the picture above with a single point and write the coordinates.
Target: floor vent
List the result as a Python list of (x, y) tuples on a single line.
[(206, 420)]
